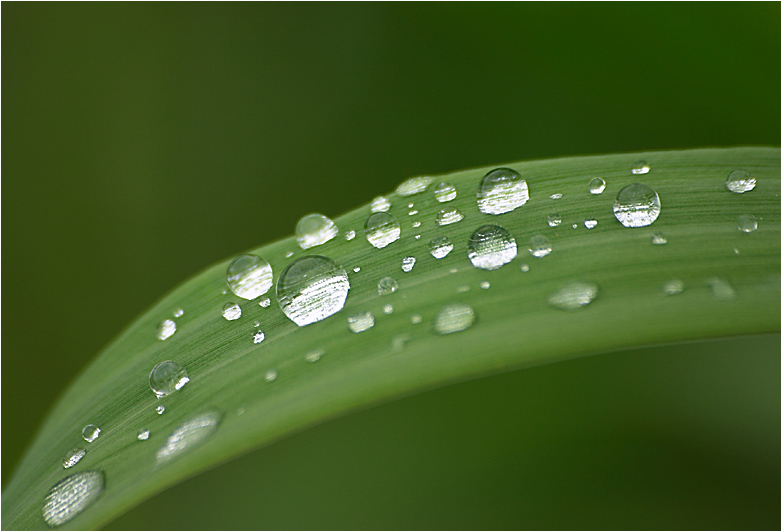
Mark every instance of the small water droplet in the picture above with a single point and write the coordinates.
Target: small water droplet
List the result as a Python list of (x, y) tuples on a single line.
[(188, 435), (410, 205), (417, 237), (640, 167), (413, 212), (524, 268), (379, 204), (73, 457), (314, 356), (490, 247), (637, 205), (160, 409), (554, 219), (502, 190), (350, 235), (288, 255), (399, 342), (414, 185), (590, 224), (256, 323), (249, 276), (673, 287), (485, 285), (556, 196), (90, 433), (71, 496), (440, 247), (444, 192), (721, 289), (258, 337), (462, 289), (597, 186), (416, 224), (747, 223), (165, 329), (270, 376), (449, 216), (575, 226), (539, 246), (239, 411), (736, 251), (357, 269), (386, 286), (573, 296), (453, 270), (265, 302), (311, 289), (314, 230), (454, 317), (658, 239), (361, 322), (740, 181), (143, 434), (232, 311), (388, 309), (381, 229), (178, 313), (167, 377), (415, 319), (407, 264)]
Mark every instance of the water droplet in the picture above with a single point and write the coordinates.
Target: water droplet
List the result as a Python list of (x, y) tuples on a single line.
[(417, 237), (160, 409), (90, 433), (249, 276), (524, 268), (721, 289), (440, 247), (590, 224), (673, 287), (239, 411), (736, 251), (311, 289), (444, 192), (462, 289), (539, 246), (413, 212), (554, 219), (388, 309), (265, 302), (658, 239), (453, 318), (449, 216), (575, 226), (72, 457), (386, 286), (256, 323), (314, 356), (232, 311), (556, 196), (165, 329), (167, 377), (416, 224), (414, 185), (399, 342), (361, 321), (381, 229), (637, 205), (314, 230), (740, 181), (597, 186), (410, 205), (453, 270), (288, 255), (143, 434), (258, 337), (71, 496), (502, 190), (178, 313), (270, 376), (407, 264), (490, 247), (747, 223), (379, 204), (188, 435), (415, 319), (573, 296), (485, 285), (640, 167), (350, 235)]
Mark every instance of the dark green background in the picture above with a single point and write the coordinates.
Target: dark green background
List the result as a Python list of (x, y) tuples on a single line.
[(143, 142)]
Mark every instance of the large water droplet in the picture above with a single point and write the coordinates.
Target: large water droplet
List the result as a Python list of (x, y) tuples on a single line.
[(454, 317), (90, 433), (740, 181), (640, 167), (637, 205), (658, 239), (747, 223), (71, 496), (314, 230), (361, 321), (232, 311), (414, 185), (597, 186), (188, 435), (143, 434), (539, 246), (490, 247), (249, 276), (381, 229), (721, 289), (73, 457), (502, 190), (554, 219), (165, 329), (444, 192), (407, 264), (167, 377), (449, 216), (386, 286), (673, 287), (440, 246), (311, 289), (573, 296), (379, 204)]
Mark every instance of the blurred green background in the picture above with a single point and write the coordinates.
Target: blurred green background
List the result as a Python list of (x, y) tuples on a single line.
[(143, 142)]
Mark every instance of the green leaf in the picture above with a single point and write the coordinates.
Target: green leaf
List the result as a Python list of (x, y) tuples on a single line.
[(731, 280)]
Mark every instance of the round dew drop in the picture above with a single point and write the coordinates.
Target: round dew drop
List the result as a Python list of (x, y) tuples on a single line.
[(249, 276), (415, 319), (71, 496), (740, 181), (485, 285), (381, 229), (573, 296), (265, 302), (270, 376), (449, 216), (165, 329), (361, 322), (258, 337), (490, 247), (232, 311), (407, 264), (590, 224), (379, 204), (440, 247), (597, 186), (386, 286), (73, 457), (388, 309), (143, 434), (444, 192), (637, 205), (673, 287), (640, 167), (311, 289), (453, 318), (554, 219), (658, 239), (159, 409), (167, 377), (314, 230), (502, 190), (747, 223), (90, 433), (539, 246), (414, 185), (350, 235)]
